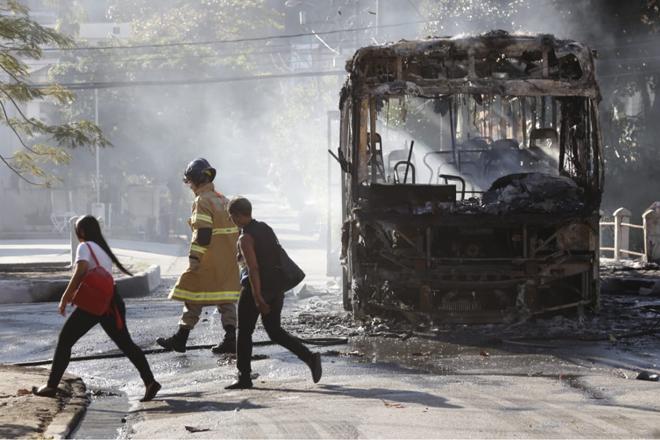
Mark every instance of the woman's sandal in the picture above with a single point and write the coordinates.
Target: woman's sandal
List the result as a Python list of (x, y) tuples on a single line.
[(44, 391), (150, 391)]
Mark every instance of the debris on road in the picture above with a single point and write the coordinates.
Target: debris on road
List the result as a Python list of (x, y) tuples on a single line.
[(647, 375), (623, 319), (100, 392), (619, 372), (193, 429), (393, 404), (630, 278), (421, 353), (336, 353)]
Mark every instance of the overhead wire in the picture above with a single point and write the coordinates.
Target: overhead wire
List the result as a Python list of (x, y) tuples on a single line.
[(324, 56), (217, 56), (285, 47), (82, 85), (269, 50), (414, 6), (235, 40), (190, 81)]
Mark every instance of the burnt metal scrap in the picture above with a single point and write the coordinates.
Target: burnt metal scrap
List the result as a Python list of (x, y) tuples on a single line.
[(533, 192), (472, 178)]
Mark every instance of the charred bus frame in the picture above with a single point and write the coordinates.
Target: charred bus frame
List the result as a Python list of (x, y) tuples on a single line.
[(507, 224)]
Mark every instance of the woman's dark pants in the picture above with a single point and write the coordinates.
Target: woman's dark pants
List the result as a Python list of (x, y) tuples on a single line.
[(79, 323)]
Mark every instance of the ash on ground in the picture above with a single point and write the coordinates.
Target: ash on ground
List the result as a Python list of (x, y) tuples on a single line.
[(626, 317)]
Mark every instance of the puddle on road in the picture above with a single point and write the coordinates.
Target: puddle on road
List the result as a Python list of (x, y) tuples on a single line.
[(412, 350), (103, 418), (453, 358)]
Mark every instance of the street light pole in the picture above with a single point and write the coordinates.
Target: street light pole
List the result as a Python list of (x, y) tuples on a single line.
[(96, 121)]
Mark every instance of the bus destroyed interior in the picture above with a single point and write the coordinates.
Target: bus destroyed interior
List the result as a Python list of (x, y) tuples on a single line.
[(472, 178)]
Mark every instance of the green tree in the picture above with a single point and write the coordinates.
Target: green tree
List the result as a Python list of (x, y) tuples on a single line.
[(630, 73), (167, 125), (452, 17), (42, 143)]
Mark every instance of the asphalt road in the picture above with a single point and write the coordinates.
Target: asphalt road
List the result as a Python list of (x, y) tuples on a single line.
[(431, 385), (373, 388)]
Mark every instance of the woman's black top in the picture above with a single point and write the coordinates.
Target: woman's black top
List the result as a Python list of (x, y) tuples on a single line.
[(267, 250)]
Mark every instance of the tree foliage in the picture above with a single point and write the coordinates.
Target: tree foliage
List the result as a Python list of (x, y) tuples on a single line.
[(163, 118), (41, 143), (468, 16), (629, 74), (164, 127)]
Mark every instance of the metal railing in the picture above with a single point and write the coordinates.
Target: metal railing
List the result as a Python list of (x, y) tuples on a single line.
[(621, 233)]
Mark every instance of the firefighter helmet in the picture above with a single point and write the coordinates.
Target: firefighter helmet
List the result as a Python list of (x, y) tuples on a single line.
[(199, 171)]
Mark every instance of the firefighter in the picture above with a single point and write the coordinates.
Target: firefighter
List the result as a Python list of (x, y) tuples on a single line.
[(212, 277)]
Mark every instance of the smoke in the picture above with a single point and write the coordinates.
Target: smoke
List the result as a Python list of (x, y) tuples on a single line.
[(266, 136)]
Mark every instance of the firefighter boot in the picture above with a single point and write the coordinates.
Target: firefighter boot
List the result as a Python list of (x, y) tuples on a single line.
[(228, 344), (176, 342)]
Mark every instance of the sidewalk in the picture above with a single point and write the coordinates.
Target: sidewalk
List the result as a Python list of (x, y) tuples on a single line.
[(149, 262), (25, 415), (59, 251)]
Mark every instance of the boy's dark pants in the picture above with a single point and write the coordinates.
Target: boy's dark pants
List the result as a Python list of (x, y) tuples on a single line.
[(247, 320)]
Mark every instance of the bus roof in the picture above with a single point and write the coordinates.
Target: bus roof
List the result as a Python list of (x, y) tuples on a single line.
[(496, 63)]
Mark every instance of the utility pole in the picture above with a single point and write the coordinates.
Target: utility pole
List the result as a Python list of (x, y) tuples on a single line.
[(331, 257), (379, 18), (96, 121)]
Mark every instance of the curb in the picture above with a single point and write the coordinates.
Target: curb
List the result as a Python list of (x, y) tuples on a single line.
[(140, 284), (67, 420), (31, 291), (57, 265)]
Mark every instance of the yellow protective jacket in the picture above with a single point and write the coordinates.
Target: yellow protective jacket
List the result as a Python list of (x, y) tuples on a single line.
[(216, 279)]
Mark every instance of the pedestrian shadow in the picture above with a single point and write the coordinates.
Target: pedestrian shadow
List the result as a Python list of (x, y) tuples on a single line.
[(177, 406), (384, 394), (187, 394), (8, 430)]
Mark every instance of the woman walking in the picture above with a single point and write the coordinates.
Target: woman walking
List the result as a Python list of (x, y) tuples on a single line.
[(93, 251)]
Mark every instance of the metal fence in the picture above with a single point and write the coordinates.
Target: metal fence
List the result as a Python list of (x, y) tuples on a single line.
[(619, 228)]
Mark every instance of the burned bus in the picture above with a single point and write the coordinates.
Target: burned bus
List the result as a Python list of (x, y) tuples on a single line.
[(471, 178)]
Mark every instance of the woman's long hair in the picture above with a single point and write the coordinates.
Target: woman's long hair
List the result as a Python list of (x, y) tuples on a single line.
[(88, 228)]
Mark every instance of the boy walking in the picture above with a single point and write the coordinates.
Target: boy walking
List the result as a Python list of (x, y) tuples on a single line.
[(261, 294)]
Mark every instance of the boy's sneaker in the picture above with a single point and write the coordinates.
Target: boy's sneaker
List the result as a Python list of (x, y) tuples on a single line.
[(241, 384), (315, 366)]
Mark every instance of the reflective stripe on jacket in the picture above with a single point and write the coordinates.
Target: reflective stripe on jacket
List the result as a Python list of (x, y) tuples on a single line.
[(216, 279)]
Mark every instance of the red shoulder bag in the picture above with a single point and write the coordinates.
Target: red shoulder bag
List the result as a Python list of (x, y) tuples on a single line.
[(94, 294)]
